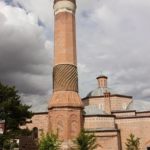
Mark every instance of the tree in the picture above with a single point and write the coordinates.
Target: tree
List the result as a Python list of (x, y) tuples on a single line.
[(10, 144), (11, 109), (133, 143), (13, 112), (49, 142), (86, 141)]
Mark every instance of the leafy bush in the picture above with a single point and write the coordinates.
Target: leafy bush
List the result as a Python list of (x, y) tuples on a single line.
[(86, 141), (49, 142)]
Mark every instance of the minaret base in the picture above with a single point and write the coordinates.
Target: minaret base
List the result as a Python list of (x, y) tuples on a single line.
[(65, 114), (66, 122)]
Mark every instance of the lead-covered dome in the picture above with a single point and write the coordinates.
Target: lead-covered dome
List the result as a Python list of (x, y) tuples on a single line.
[(102, 87), (100, 92), (139, 105)]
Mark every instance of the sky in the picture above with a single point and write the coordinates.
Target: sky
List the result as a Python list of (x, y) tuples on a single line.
[(112, 39)]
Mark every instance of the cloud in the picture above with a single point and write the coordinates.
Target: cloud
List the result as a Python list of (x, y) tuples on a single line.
[(24, 55), (112, 37), (43, 9)]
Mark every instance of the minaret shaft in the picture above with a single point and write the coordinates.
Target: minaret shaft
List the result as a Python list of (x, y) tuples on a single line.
[(65, 41)]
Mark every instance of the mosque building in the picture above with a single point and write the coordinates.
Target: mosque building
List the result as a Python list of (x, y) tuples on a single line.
[(111, 116)]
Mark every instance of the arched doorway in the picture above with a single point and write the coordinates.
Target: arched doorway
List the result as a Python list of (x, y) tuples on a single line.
[(147, 145), (35, 133)]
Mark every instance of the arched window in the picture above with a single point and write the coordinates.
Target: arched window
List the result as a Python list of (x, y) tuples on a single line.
[(73, 125)]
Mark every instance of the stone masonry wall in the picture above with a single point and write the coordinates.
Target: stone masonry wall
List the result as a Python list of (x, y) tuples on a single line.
[(124, 114), (120, 103), (117, 103), (140, 127), (99, 122), (39, 121), (108, 141)]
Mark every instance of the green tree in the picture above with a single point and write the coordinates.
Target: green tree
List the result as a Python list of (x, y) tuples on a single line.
[(133, 143), (10, 144), (13, 112), (11, 109), (86, 141), (49, 142)]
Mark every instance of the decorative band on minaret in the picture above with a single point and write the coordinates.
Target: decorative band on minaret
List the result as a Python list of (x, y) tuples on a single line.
[(65, 105), (64, 6), (65, 78)]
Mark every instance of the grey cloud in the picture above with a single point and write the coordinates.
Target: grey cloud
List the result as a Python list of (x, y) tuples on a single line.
[(115, 40), (25, 61)]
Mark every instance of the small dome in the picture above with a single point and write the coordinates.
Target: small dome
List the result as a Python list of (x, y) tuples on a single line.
[(102, 76), (100, 92), (139, 105), (93, 110)]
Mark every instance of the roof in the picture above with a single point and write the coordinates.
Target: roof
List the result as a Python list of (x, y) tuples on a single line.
[(102, 76), (102, 130), (100, 92), (93, 110), (139, 105)]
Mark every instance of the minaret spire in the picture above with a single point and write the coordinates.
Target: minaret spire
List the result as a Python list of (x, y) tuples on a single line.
[(65, 106)]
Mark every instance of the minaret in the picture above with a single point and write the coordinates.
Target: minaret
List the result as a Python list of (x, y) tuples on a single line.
[(65, 106)]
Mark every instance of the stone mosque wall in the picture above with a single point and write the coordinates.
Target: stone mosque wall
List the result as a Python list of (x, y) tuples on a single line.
[(97, 122), (40, 121), (117, 102), (140, 127), (108, 140), (110, 130), (124, 113), (120, 102)]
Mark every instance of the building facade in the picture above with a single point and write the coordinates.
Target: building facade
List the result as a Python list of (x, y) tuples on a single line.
[(111, 116)]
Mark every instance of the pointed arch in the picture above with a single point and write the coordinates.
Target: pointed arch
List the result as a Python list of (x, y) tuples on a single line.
[(73, 125), (60, 125)]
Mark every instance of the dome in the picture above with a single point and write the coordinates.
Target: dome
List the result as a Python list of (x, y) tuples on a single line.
[(139, 105), (93, 110), (100, 92)]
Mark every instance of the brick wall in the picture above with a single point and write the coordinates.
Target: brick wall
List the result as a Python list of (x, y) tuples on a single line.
[(117, 102), (140, 127), (124, 113), (99, 122), (39, 121), (120, 103), (108, 140)]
